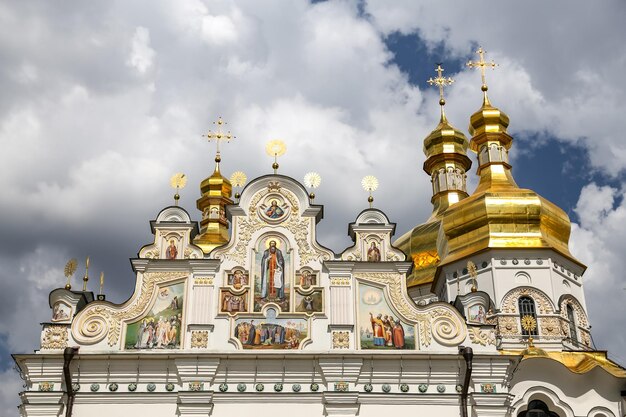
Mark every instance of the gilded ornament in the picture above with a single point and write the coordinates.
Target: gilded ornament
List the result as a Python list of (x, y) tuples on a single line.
[(507, 325), (550, 326), (196, 386), (341, 386), (55, 337), (341, 340), (510, 300), (199, 339), (46, 386), (489, 388), (482, 337), (238, 179)]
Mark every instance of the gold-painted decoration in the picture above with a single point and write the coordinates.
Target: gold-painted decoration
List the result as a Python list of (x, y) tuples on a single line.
[(482, 337), (219, 136), (370, 184), (482, 65), (529, 324), (579, 362), (312, 180), (54, 337), (101, 282), (341, 340), (446, 164), (216, 191), (199, 339), (441, 82), (238, 179), (86, 277), (70, 269), (275, 148), (473, 273), (178, 182)]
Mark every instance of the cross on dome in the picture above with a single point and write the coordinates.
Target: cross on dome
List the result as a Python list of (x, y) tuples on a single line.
[(482, 65), (441, 82)]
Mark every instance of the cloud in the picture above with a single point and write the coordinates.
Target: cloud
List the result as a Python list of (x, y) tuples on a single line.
[(141, 55), (599, 240)]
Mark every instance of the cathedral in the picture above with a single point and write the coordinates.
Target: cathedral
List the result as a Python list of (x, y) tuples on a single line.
[(477, 311)]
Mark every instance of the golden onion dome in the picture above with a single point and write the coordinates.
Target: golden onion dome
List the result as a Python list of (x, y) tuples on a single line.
[(446, 163), (499, 214), (216, 191)]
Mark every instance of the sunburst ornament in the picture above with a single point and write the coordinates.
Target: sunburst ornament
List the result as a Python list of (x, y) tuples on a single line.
[(70, 269), (178, 181), (370, 184), (529, 324), (238, 179), (312, 180), (275, 148)]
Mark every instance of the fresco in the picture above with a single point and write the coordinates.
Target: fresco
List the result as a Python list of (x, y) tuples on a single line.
[(379, 326), (271, 332), (272, 276), (310, 303), (306, 279), (477, 313), (61, 311), (238, 279), (233, 303), (161, 327)]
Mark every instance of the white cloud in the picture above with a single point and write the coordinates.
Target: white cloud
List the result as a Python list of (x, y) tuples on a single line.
[(141, 54), (599, 242)]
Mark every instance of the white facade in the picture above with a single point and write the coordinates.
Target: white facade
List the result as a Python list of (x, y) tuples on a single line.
[(273, 324)]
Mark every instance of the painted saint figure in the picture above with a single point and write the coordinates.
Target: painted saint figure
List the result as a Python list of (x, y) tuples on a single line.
[(373, 253), (398, 334), (273, 211), (171, 251), (378, 330), (272, 273)]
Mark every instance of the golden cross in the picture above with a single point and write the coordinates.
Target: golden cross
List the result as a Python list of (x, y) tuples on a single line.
[(482, 65), (218, 135), (441, 82)]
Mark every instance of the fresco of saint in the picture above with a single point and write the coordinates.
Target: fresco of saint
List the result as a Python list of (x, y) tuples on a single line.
[(272, 273), (171, 251), (274, 211), (373, 253)]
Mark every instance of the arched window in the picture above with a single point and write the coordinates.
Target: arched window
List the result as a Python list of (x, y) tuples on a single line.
[(537, 408), (572, 323), (527, 308)]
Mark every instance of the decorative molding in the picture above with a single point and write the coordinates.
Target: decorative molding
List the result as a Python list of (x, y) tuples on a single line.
[(341, 340), (55, 337), (482, 337), (509, 301), (550, 326), (440, 321), (581, 316), (199, 339), (340, 281), (203, 281), (101, 319), (508, 325)]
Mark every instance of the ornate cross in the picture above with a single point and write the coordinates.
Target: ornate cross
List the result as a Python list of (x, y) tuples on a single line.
[(482, 65), (441, 82), (218, 135)]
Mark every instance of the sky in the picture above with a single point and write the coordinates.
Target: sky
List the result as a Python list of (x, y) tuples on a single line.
[(102, 102)]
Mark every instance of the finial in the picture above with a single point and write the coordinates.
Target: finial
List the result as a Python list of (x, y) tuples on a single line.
[(86, 277), (238, 179), (312, 180), (370, 183), (178, 181), (473, 273), (275, 148), (70, 268), (529, 324), (441, 82), (482, 66), (101, 282), (219, 136)]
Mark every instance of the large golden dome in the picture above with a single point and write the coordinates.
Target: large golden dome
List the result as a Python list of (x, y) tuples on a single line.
[(499, 214)]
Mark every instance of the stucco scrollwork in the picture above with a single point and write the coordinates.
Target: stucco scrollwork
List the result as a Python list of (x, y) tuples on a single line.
[(54, 337), (199, 339), (581, 317), (482, 337), (550, 326), (341, 340), (101, 319), (508, 325), (298, 226), (510, 300), (438, 321)]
